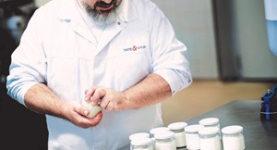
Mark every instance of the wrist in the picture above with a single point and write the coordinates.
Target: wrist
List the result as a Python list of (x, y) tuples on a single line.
[(127, 100)]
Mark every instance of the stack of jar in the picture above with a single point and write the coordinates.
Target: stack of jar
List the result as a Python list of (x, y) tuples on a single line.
[(179, 135)]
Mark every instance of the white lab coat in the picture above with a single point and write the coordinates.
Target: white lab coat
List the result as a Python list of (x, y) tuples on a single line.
[(58, 49)]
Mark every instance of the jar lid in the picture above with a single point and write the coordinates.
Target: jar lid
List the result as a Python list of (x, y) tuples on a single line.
[(193, 128), (159, 129), (177, 125), (209, 121), (232, 129), (141, 141), (208, 131), (139, 135), (164, 135)]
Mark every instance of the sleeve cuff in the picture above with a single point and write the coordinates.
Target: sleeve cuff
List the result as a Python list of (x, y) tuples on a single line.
[(174, 80), (22, 93)]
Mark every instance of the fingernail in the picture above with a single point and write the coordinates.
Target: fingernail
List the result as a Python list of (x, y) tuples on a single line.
[(85, 112), (86, 99)]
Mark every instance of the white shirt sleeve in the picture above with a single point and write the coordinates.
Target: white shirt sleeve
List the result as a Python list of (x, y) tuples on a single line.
[(169, 54), (25, 69)]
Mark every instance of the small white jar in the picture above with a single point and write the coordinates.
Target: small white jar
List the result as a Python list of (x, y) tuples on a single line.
[(179, 132), (142, 144), (93, 110), (165, 141), (232, 138), (139, 135), (209, 138), (211, 122), (192, 137), (158, 130)]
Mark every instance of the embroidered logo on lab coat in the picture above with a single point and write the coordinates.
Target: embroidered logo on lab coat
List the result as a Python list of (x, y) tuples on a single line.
[(134, 48)]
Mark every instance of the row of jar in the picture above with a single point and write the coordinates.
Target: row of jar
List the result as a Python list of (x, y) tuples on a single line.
[(179, 135)]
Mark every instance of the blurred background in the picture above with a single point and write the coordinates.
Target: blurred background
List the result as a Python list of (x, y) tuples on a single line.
[(228, 50)]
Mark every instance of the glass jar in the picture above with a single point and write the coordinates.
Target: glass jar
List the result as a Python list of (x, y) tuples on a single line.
[(93, 109), (139, 135), (179, 132), (211, 122), (192, 137), (209, 138), (142, 144), (165, 141), (232, 138), (158, 130)]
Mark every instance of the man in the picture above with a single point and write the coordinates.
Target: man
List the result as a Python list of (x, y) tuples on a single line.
[(121, 52)]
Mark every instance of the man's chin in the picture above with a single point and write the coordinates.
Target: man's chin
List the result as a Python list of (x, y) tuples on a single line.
[(104, 19)]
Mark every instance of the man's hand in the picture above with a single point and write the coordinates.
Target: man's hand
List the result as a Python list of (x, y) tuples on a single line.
[(110, 99), (76, 113), (39, 98)]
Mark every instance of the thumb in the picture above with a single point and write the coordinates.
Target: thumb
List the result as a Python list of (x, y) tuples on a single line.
[(85, 112), (81, 109)]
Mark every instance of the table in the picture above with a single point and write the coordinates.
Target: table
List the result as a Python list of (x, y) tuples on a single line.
[(246, 113), (258, 135)]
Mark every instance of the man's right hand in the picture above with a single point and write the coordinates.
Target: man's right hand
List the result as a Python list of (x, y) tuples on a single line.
[(76, 113)]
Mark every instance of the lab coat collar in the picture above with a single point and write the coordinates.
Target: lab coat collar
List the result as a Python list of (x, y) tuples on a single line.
[(128, 14), (69, 12)]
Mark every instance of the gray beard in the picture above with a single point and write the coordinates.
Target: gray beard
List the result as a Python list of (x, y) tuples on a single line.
[(103, 18)]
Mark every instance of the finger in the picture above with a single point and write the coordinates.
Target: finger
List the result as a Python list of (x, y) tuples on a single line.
[(96, 120), (98, 94), (85, 112), (104, 103), (109, 106), (90, 122), (81, 110), (89, 93)]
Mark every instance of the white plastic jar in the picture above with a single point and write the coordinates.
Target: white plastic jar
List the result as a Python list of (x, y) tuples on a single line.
[(165, 141), (179, 132), (211, 122), (209, 138), (158, 130), (192, 137), (142, 144), (139, 135), (232, 138), (93, 110)]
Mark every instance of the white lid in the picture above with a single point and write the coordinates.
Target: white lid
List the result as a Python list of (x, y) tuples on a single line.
[(209, 121), (232, 129), (159, 129), (164, 135), (139, 135), (177, 125), (141, 141), (208, 131), (193, 128)]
